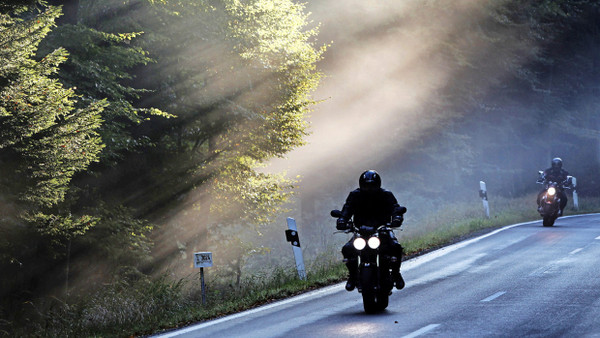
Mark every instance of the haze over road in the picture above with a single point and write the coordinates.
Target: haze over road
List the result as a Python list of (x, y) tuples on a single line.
[(523, 280)]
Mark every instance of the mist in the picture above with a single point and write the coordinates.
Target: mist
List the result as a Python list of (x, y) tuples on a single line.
[(434, 95), (425, 92), (387, 76)]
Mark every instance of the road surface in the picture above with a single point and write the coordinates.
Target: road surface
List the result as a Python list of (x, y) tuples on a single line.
[(523, 280)]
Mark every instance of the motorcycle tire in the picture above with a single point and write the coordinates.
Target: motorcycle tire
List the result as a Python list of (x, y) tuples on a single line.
[(549, 221), (375, 299)]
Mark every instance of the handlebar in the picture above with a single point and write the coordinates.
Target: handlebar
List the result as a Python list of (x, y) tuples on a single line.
[(363, 228), (563, 185)]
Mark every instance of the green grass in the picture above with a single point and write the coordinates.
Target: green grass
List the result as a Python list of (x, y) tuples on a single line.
[(140, 306), (459, 221)]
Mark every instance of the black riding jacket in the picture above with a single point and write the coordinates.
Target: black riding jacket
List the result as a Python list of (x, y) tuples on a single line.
[(371, 209), (553, 175)]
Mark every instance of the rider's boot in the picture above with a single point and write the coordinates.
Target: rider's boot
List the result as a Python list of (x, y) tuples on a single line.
[(398, 280), (396, 275)]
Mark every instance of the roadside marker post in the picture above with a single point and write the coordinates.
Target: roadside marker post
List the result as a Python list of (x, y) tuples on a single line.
[(291, 236), (575, 197), (203, 260), (484, 198)]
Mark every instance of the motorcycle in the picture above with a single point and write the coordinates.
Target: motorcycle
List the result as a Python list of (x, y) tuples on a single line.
[(549, 200), (374, 276)]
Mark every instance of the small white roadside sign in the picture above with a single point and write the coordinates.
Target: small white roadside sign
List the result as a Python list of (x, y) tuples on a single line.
[(203, 259)]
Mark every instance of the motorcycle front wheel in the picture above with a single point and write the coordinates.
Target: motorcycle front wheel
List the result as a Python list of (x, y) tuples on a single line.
[(549, 220), (375, 301), (374, 298)]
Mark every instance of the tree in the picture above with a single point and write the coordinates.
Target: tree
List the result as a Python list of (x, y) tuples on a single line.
[(237, 76), (44, 139), (224, 127)]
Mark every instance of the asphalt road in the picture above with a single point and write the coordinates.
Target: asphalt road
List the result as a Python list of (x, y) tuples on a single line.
[(523, 280)]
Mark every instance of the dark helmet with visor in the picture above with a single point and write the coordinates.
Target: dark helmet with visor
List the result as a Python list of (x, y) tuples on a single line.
[(556, 163), (369, 181)]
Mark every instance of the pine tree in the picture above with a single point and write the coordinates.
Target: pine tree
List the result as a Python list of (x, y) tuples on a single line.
[(44, 139)]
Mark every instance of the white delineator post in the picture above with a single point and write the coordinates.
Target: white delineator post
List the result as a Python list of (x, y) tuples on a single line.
[(292, 236), (484, 198), (575, 197)]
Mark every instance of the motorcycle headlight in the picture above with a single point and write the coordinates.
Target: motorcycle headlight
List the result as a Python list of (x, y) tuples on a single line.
[(551, 191), (374, 242), (359, 243)]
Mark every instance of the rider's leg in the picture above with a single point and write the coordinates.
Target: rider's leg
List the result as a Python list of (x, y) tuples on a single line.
[(539, 197), (393, 249), (351, 260), (563, 202), (395, 265)]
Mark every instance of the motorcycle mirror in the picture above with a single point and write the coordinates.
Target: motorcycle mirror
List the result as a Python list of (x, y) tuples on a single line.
[(336, 213)]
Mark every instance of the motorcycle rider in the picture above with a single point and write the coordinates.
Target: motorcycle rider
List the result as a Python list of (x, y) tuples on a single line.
[(372, 205), (555, 174)]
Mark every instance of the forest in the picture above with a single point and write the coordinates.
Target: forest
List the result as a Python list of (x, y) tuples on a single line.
[(134, 133)]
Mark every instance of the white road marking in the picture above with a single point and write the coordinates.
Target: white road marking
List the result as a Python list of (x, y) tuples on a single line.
[(575, 251), (494, 296), (422, 331), (597, 237), (199, 326)]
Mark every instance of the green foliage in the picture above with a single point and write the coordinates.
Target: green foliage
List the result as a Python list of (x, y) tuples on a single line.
[(16, 6), (87, 93), (119, 238), (130, 303), (242, 193), (238, 75), (100, 67), (44, 139)]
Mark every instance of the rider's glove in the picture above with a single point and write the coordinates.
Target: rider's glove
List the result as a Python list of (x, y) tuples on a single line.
[(397, 221), (341, 224)]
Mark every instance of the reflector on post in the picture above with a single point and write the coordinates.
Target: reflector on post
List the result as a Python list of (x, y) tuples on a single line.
[(291, 235)]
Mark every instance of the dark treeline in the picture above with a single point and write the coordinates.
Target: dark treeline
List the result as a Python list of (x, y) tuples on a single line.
[(131, 131)]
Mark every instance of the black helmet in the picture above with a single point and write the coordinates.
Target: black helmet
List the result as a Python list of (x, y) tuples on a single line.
[(556, 163), (369, 181)]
